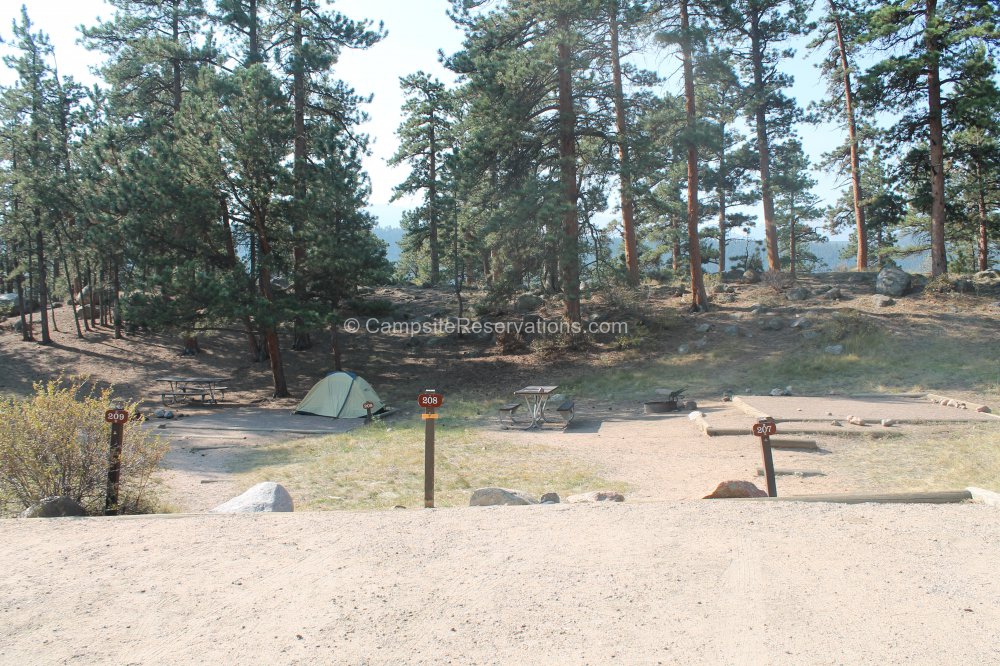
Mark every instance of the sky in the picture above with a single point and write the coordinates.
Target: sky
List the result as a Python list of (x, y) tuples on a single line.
[(417, 29)]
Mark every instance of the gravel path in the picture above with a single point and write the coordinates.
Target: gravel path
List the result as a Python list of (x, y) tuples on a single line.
[(674, 582)]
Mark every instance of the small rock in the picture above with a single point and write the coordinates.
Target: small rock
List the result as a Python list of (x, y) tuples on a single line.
[(888, 423), (159, 413), (500, 497), (856, 420), (700, 343), (984, 410), (772, 324), (809, 335), (683, 349), (549, 498), (703, 328), (168, 414), (58, 506), (528, 302), (751, 277), (836, 423), (952, 403), (836, 350), (882, 301), (695, 415), (833, 294), (734, 489), (596, 496), (690, 406), (777, 391), (732, 330), (798, 294), (800, 323)]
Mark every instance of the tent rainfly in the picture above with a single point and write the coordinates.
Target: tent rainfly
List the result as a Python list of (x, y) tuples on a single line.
[(340, 395)]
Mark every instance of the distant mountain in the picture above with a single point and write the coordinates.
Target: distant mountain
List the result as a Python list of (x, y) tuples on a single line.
[(393, 236), (829, 253)]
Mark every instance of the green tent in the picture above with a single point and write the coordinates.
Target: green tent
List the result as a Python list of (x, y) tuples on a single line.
[(340, 395)]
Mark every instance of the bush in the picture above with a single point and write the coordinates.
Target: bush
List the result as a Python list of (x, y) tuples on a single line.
[(56, 443)]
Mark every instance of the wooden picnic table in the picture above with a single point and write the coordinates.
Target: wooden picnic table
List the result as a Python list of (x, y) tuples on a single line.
[(181, 388)]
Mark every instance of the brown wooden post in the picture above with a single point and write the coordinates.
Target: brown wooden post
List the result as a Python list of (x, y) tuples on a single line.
[(117, 418), (430, 401), (764, 428)]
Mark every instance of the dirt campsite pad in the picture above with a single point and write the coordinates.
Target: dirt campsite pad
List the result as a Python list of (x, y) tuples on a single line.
[(914, 410)]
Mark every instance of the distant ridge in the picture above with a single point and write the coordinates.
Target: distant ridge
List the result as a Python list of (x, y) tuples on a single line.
[(829, 253)]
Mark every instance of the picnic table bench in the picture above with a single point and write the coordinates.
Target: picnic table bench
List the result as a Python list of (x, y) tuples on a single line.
[(206, 389), (536, 399)]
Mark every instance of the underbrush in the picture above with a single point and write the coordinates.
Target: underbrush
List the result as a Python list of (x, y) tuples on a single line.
[(381, 466), (56, 443)]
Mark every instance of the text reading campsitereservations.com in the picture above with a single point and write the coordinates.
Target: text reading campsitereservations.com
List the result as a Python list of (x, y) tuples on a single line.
[(465, 326)]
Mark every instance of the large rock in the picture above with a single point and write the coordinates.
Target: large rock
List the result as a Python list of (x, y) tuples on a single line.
[(733, 489), (528, 302), (882, 301), (798, 294), (596, 496), (500, 497), (54, 507), (262, 498), (751, 277), (893, 282)]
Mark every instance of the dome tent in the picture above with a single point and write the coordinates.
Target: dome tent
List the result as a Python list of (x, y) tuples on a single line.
[(340, 395)]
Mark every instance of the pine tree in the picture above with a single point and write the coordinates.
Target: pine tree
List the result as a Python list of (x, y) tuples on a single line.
[(921, 39), (756, 30)]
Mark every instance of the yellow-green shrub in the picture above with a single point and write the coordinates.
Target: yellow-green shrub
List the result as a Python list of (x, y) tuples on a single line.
[(56, 443)]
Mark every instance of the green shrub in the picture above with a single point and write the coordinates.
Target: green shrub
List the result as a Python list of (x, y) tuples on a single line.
[(56, 443)]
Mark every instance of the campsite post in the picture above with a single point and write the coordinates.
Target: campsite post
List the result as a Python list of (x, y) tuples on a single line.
[(117, 416), (764, 428), (430, 401), (369, 405)]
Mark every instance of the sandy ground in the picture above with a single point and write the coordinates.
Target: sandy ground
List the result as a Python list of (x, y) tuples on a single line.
[(734, 582)]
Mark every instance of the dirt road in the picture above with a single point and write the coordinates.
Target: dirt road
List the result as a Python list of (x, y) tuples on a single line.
[(680, 582)]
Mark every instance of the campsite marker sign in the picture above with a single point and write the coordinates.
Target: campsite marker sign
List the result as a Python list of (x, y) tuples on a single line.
[(764, 428), (117, 417), (430, 401)]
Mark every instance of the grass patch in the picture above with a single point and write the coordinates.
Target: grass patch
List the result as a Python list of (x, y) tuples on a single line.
[(964, 455), (380, 466)]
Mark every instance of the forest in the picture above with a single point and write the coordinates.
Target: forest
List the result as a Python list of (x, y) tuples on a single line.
[(214, 178)]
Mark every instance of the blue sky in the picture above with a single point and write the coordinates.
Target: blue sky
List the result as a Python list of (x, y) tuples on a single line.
[(417, 30)]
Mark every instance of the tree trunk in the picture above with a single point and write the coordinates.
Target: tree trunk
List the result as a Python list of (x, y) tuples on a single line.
[(116, 285), (791, 242), (175, 62), (252, 345), (432, 220), (570, 255), (625, 174), (939, 259), (270, 333), (721, 190), (69, 287), (335, 345), (763, 146), (699, 299), (43, 288), (25, 329), (254, 42), (300, 337), (984, 246), (861, 230)]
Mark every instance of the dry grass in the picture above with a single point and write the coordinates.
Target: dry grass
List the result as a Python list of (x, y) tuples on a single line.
[(381, 466), (935, 459)]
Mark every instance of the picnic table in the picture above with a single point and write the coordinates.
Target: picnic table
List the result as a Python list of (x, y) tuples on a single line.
[(208, 389), (536, 399)]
